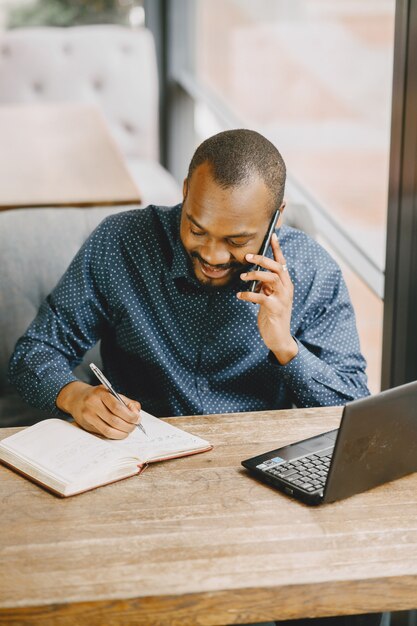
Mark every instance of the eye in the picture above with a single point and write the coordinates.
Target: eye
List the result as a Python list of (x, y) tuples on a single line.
[(196, 233), (235, 244)]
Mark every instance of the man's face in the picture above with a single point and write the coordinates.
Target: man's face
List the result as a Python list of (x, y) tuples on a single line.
[(220, 226)]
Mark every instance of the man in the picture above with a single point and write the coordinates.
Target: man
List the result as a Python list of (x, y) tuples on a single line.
[(166, 292)]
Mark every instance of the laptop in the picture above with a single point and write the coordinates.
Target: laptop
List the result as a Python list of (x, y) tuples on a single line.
[(375, 443)]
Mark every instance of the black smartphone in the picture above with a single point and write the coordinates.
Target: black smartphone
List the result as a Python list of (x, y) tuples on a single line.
[(265, 245)]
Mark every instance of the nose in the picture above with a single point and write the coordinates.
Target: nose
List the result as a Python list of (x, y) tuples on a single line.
[(215, 253)]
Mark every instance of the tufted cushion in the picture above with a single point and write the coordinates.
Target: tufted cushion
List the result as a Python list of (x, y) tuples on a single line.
[(111, 66)]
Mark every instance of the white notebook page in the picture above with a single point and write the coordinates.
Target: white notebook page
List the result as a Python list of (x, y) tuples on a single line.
[(161, 439), (63, 450)]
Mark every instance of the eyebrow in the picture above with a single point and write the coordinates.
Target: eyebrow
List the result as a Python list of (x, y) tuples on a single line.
[(237, 236)]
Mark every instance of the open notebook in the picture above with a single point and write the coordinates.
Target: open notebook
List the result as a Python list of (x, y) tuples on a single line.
[(69, 460)]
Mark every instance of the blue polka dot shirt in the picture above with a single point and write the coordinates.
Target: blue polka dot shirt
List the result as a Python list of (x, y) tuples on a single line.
[(176, 346)]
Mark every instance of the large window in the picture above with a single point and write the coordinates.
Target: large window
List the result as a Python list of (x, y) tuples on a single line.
[(314, 76)]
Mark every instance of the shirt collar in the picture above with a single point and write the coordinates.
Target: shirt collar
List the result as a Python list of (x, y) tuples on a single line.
[(181, 267)]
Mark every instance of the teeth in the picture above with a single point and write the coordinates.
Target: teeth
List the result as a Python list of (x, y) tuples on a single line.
[(213, 269)]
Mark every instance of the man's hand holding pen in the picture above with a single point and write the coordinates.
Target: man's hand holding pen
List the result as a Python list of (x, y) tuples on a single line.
[(275, 298), (98, 411)]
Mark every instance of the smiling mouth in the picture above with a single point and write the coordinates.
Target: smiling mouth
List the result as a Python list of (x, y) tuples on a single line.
[(213, 272)]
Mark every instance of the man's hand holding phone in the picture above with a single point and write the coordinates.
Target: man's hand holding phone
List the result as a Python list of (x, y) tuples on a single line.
[(275, 298)]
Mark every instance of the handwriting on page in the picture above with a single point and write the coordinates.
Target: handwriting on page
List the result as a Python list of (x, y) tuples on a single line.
[(80, 457), (160, 440)]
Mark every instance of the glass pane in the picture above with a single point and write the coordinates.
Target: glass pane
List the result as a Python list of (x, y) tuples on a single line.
[(369, 310), (315, 77), (26, 13)]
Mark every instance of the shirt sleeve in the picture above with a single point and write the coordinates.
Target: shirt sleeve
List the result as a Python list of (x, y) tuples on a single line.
[(69, 322), (329, 368)]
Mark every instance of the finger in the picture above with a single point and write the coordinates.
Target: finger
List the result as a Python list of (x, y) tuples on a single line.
[(252, 296), (106, 413), (133, 405), (279, 257), (276, 249), (277, 272), (116, 423), (263, 279), (265, 262), (94, 424), (118, 408)]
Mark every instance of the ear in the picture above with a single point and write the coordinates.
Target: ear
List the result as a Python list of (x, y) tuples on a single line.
[(184, 188), (281, 208)]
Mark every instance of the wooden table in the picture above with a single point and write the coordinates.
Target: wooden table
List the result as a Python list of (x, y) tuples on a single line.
[(60, 155), (198, 541)]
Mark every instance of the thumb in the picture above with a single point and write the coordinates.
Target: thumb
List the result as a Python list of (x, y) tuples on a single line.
[(134, 406)]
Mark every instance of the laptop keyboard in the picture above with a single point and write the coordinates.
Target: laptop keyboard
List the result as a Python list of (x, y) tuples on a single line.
[(307, 472)]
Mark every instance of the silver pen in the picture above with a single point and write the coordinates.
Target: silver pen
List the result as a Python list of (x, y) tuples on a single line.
[(107, 384)]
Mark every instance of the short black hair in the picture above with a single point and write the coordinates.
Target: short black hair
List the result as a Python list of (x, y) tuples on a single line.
[(236, 156)]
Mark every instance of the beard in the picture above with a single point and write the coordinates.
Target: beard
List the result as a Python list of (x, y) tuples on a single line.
[(233, 279)]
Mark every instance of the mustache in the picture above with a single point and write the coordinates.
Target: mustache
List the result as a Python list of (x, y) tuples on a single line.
[(223, 266)]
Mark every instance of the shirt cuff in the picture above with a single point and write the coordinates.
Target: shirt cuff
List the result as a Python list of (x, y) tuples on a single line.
[(52, 388), (300, 369), (312, 381)]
